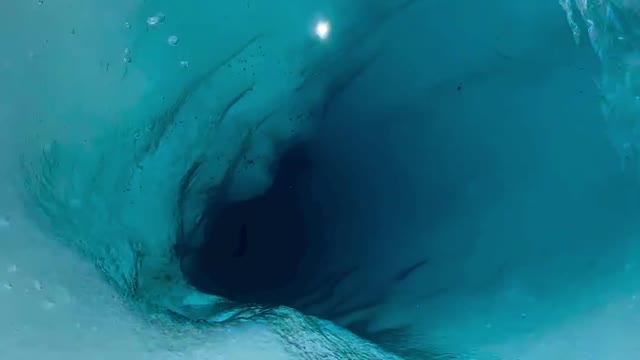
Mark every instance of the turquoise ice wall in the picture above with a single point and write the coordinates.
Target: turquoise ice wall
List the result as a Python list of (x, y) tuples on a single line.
[(498, 165), (471, 135)]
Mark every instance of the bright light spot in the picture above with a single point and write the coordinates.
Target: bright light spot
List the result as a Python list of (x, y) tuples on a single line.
[(323, 28)]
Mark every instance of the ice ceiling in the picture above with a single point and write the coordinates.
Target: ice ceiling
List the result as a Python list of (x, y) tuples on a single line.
[(318, 180)]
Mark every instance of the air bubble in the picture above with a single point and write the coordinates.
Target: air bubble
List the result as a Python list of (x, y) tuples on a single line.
[(12, 268), (156, 19), (184, 64), (172, 40)]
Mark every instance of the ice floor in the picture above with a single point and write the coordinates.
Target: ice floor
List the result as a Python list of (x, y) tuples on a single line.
[(48, 314)]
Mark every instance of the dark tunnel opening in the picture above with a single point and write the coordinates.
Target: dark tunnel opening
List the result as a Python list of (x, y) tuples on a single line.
[(254, 249), (276, 249)]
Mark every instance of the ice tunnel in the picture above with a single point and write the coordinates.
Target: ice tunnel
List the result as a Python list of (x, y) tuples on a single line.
[(379, 179)]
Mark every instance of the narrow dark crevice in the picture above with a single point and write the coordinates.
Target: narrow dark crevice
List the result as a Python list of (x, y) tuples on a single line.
[(253, 249)]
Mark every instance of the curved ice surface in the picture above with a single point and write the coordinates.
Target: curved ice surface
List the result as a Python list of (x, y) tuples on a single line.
[(197, 101), (71, 313), (612, 28), (189, 135), (483, 186)]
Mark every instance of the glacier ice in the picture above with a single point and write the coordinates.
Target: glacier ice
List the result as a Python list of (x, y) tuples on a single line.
[(156, 141), (459, 195)]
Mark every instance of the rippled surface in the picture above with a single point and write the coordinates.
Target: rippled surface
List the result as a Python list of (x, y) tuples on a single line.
[(611, 27)]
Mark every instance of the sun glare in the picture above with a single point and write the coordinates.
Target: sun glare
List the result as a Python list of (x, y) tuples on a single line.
[(322, 29)]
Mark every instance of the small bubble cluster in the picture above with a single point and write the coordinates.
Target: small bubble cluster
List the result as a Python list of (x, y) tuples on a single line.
[(127, 56)]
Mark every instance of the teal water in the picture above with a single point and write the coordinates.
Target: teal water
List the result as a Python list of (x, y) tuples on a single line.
[(319, 180)]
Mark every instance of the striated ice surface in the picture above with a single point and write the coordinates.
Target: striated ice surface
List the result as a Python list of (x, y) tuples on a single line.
[(137, 111)]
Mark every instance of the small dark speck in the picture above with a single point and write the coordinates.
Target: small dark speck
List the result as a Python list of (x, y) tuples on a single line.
[(581, 91), (73, 31), (459, 88)]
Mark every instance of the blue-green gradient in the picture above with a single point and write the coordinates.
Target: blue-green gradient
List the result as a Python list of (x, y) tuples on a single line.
[(477, 140)]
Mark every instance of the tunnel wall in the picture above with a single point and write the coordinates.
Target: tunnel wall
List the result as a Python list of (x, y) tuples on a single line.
[(229, 105), (494, 166), (514, 160)]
